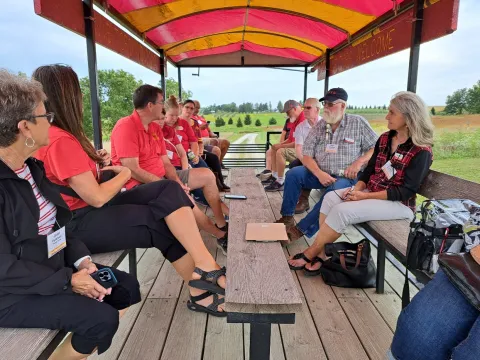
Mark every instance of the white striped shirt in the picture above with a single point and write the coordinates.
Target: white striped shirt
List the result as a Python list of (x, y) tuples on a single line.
[(48, 211)]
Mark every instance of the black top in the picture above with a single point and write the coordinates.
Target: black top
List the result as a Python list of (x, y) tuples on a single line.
[(25, 268), (414, 173)]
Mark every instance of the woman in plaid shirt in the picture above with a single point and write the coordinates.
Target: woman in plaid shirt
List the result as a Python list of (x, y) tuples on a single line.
[(387, 189)]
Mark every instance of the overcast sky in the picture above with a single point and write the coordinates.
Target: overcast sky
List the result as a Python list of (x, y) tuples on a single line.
[(447, 64)]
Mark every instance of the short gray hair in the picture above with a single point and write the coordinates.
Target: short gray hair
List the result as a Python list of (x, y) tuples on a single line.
[(315, 101), (417, 117), (19, 96)]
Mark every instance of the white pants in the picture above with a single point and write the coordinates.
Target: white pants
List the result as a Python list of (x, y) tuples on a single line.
[(340, 214)]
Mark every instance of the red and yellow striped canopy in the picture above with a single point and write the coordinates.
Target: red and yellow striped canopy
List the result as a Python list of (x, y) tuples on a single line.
[(262, 32)]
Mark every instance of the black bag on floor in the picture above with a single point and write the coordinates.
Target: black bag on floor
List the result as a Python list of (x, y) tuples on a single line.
[(350, 265)]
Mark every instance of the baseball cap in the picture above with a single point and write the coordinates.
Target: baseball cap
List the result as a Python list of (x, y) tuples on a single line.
[(335, 94), (290, 104)]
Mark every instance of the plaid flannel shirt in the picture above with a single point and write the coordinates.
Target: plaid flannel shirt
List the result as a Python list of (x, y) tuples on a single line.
[(354, 137)]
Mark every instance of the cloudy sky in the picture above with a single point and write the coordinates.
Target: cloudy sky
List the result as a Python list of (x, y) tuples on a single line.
[(446, 64)]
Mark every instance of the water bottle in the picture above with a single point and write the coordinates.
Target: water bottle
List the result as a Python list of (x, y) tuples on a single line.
[(191, 156)]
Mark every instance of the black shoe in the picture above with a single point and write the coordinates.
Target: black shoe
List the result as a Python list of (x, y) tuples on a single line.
[(264, 172), (222, 243), (223, 228), (275, 186), (269, 180)]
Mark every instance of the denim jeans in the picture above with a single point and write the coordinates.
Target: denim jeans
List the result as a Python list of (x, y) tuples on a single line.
[(300, 178), (438, 324)]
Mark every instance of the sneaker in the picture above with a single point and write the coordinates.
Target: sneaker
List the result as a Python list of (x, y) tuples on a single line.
[(222, 244), (269, 180), (274, 186), (265, 174)]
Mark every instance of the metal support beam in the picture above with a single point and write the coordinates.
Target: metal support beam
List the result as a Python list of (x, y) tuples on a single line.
[(180, 83), (162, 71), (88, 13), (415, 46), (327, 70), (305, 82)]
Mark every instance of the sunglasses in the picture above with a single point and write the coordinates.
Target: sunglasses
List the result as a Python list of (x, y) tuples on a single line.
[(49, 116), (330, 104)]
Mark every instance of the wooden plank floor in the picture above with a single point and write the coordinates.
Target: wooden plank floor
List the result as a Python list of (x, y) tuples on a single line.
[(334, 323)]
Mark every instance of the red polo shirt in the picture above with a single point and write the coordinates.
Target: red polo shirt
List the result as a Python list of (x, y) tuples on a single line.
[(131, 140), (185, 133), (297, 122), (64, 158), (171, 141)]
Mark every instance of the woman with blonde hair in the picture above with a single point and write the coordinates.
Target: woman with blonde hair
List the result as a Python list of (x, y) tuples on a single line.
[(388, 186)]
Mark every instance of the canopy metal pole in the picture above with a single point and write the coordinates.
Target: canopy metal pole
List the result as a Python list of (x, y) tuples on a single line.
[(327, 70), (305, 79), (415, 46), (179, 83), (92, 71), (162, 72)]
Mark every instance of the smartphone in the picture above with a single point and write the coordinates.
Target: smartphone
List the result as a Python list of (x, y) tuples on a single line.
[(235, 197), (105, 277), (208, 122)]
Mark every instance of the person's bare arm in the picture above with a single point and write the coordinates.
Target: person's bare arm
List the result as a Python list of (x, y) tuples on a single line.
[(299, 152), (282, 137), (95, 194), (183, 156), (194, 147), (170, 171), (138, 173), (352, 171), (324, 178)]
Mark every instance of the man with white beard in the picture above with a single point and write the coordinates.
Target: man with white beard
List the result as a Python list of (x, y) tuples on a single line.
[(334, 152)]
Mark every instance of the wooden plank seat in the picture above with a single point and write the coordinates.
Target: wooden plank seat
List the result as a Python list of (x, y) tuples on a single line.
[(28, 344), (392, 235), (260, 286)]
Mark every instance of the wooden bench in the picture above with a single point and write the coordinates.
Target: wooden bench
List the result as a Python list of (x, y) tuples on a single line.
[(28, 344), (392, 235), (260, 286)]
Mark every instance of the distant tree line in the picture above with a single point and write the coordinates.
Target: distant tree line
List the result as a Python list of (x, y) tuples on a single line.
[(241, 108), (464, 101)]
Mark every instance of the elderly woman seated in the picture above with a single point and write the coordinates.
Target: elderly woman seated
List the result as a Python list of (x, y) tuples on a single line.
[(387, 189), (45, 277)]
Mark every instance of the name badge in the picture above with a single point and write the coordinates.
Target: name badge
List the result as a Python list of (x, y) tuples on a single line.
[(179, 138), (388, 170), (170, 154), (398, 156), (349, 141), (56, 241), (331, 148)]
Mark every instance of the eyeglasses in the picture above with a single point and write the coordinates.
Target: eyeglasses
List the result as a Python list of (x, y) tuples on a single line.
[(330, 104), (161, 102), (50, 116), (309, 107)]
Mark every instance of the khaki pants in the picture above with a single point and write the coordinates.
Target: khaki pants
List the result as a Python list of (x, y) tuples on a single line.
[(288, 154)]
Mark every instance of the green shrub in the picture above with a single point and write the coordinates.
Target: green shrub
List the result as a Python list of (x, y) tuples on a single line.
[(258, 122), (239, 123), (272, 121)]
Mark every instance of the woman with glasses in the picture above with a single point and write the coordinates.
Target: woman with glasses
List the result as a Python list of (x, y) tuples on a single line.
[(45, 276), (109, 219), (386, 190), (186, 127)]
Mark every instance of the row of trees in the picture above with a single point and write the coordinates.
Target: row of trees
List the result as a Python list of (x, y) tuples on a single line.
[(219, 121), (242, 108), (464, 100)]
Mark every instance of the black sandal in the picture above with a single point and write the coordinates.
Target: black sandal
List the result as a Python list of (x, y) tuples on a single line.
[(209, 280), (211, 309), (314, 272), (298, 257)]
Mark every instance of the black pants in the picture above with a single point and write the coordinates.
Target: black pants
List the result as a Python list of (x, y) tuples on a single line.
[(133, 219), (213, 163), (93, 323), (294, 164)]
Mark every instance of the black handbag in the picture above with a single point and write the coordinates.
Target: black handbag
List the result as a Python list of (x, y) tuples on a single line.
[(65, 190), (350, 265)]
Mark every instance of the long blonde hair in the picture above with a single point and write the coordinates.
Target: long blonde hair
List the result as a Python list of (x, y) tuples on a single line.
[(417, 117)]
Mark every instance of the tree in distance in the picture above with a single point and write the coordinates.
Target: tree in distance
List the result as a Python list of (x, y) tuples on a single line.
[(433, 111), (239, 123), (272, 121), (280, 106), (248, 120), (230, 121), (258, 122)]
